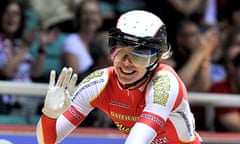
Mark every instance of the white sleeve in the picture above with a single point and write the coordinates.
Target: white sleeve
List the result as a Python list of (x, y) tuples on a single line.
[(141, 134), (162, 94), (63, 127)]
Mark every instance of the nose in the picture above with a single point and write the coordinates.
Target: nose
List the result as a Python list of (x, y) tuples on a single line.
[(126, 60)]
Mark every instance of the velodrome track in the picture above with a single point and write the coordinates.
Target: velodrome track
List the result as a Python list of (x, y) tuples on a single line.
[(19, 134), (25, 134)]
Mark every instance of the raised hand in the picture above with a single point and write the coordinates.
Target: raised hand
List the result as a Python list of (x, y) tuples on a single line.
[(58, 96)]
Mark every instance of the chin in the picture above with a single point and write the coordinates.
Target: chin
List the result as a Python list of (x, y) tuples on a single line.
[(124, 82)]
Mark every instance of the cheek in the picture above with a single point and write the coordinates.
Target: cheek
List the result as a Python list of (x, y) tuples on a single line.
[(141, 72), (115, 63)]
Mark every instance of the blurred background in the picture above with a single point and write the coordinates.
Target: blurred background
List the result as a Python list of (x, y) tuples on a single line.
[(37, 36)]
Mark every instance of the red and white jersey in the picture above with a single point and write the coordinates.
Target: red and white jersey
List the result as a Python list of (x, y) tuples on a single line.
[(160, 103)]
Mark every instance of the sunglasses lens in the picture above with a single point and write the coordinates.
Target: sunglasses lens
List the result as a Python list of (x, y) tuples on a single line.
[(140, 57), (144, 51)]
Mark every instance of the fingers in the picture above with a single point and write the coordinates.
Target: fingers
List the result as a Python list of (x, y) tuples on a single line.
[(61, 77), (67, 77), (52, 78), (72, 83), (66, 100)]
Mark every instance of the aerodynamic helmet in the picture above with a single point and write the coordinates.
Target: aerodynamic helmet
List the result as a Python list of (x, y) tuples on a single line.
[(142, 36)]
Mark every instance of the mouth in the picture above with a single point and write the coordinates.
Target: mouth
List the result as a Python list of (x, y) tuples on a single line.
[(127, 72)]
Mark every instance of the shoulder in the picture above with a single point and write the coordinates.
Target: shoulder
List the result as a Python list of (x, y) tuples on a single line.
[(166, 71), (96, 81), (164, 83)]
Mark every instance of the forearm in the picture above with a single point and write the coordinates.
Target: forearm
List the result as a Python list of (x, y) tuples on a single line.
[(141, 134), (201, 84), (46, 130), (38, 66), (189, 70), (50, 131), (203, 80), (10, 68)]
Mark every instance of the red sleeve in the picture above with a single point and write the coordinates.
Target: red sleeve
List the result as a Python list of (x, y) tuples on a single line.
[(152, 120), (48, 130), (74, 116)]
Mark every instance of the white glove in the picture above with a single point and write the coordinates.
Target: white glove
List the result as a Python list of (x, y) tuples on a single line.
[(58, 96)]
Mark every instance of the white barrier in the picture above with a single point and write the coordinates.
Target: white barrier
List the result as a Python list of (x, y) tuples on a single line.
[(23, 89), (40, 89)]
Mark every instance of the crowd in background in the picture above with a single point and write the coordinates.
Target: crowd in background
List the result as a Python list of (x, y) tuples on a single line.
[(37, 36)]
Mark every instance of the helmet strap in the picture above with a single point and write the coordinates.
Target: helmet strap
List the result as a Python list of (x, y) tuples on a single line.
[(146, 75)]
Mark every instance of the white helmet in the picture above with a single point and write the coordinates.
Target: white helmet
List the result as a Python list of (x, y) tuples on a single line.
[(139, 23), (142, 31)]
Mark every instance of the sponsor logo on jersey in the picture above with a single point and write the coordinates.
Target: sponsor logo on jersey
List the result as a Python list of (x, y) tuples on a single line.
[(74, 113), (161, 86), (160, 140), (120, 105), (81, 85), (123, 128), (124, 117), (91, 76), (152, 118)]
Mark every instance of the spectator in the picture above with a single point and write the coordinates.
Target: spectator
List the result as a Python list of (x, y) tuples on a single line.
[(75, 51), (173, 11), (16, 64), (55, 20), (100, 51), (193, 56), (227, 119)]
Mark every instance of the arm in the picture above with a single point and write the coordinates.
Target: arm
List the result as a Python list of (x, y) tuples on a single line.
[(141, 134), (56, 102), (203, 80), (9, 69), (199, 59), (190, 69), (160, 100), (59, 117), (46, 37), (55, 130), (38, 66)]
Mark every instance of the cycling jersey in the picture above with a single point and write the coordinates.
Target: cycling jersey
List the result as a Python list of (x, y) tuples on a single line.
[(161, 103)]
